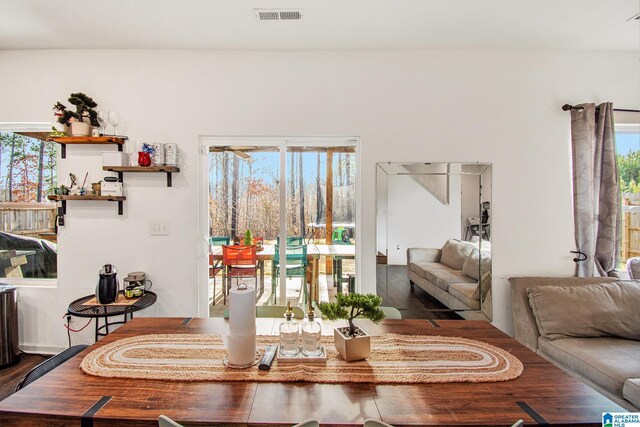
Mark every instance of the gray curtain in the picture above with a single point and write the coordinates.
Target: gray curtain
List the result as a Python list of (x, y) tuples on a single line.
[(596, 190)]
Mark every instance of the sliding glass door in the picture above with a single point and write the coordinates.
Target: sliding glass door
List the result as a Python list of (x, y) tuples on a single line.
[(296, 201)]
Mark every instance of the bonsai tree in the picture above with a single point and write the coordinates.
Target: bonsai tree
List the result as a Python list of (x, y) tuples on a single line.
[(248, 238), (351, 306), (84, 110)]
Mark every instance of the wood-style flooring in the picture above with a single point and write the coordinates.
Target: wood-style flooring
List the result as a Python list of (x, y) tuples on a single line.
[(12, 375), (414, 303)]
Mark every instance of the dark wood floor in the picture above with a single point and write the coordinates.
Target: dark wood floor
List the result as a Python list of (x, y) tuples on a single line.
[(11, 376), (413, 303)]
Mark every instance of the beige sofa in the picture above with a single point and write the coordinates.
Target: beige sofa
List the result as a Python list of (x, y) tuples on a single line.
[(450, 274), (589, 327)]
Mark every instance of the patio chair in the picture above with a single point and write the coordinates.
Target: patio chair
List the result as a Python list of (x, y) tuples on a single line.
[(291, 240), (239, 261), (340, 237), (219, 240), (296, 266), (216, 266)]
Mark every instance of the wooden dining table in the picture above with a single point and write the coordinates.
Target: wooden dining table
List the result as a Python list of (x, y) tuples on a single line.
[(542, 395)]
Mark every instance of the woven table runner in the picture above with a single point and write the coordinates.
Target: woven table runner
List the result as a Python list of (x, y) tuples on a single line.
[(394, 359)]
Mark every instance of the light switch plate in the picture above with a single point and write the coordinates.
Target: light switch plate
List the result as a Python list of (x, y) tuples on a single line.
[(159, 228)]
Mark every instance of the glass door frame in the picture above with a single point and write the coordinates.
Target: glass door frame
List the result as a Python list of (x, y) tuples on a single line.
[(281, 143)]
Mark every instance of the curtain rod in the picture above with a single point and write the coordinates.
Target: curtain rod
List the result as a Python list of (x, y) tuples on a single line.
[(567, 107)]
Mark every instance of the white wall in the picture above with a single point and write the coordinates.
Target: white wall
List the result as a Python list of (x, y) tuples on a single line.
[(418, 219), (495, 106)]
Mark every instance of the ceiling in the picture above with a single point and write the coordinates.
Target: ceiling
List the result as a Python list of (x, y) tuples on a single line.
[(325, 25)]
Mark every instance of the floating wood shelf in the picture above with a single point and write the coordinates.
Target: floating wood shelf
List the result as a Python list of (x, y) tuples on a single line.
[(78, 140), (144, 169), (64, 200), (106, 198)]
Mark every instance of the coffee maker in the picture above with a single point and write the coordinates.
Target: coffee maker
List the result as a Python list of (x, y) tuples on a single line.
[(107, 288)]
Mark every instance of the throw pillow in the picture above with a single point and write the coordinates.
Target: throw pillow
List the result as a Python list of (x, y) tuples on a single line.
[(454, 252), (470, 266), (596, 310)]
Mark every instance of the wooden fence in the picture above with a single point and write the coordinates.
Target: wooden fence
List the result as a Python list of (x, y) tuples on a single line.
[(630, 226), (28, 219)]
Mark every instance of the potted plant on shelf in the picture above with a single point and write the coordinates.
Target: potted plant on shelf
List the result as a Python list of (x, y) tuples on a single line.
[(351, 341), (82, 119), (144, 156)]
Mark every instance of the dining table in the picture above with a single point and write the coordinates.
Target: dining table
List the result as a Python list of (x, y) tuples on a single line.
[(542, 394), (314, 253)]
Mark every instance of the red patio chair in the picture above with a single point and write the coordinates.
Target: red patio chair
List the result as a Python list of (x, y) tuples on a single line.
[(239, 261)]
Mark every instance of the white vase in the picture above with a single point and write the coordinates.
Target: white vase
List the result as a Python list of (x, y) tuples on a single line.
[(80, 129)]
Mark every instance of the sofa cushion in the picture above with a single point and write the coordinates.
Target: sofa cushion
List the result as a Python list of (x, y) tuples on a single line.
[(454, 252), (606, 361), (439, 274), (631, 391), (470, 266), (597, 310), (466, 293)]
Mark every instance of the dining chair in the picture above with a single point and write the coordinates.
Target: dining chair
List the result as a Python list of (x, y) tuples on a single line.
[(375, 423), (49, 364), (239, 261), (296, 266), (164, 421), (391, 313), (273, 311)]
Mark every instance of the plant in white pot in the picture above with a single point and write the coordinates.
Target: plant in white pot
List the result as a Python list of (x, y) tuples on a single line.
[(351, 341), (82, 119)]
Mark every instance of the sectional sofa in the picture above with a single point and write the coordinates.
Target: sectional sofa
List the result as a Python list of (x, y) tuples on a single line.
[(589, 327)]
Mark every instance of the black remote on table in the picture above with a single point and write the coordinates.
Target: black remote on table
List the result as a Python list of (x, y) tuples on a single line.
[(267, 359)]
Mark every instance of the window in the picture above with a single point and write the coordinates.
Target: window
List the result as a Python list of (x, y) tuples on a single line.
[(628, 151), (27, 175)]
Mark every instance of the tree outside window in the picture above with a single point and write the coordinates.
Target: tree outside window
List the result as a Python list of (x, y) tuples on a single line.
[(27, 218)]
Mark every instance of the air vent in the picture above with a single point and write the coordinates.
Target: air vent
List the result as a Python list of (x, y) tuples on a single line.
[(278, 15), (634, 17), (290, 15)]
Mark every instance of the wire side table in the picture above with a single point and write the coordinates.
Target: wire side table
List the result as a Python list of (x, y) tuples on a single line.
[(78, 309)]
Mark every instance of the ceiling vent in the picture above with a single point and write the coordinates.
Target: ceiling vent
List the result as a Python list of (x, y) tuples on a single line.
[(278, 15), (636, 17)]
